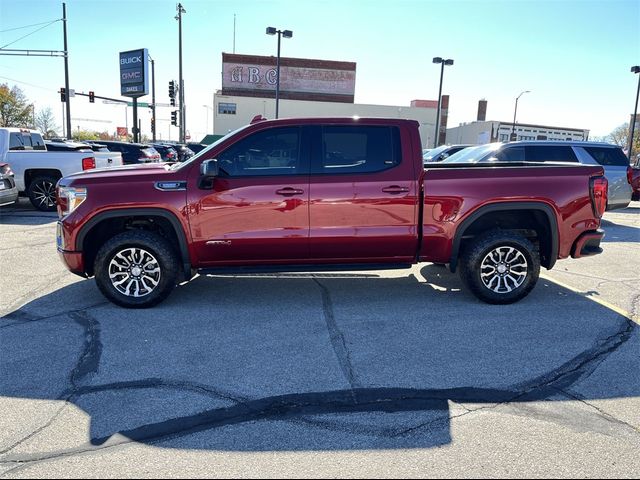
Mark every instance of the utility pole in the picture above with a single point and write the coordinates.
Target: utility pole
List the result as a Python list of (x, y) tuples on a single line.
[(66, 69), (234, 33), (181, 10)]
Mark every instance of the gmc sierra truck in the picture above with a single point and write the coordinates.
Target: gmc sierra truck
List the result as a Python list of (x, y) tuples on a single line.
[(325, 194)]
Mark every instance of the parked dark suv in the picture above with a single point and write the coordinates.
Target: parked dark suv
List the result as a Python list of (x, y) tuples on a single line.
[(132, 153), (167, 152)]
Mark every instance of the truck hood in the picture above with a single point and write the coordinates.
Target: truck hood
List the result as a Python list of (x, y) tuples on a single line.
[(118, 174)]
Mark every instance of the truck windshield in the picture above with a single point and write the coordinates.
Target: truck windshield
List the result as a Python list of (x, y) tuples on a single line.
[(473, 154), (178, 166)]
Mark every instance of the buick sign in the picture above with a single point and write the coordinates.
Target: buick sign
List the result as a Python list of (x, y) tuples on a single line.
[(134, 75)]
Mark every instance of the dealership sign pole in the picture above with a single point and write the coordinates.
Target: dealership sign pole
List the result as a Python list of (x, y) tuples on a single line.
[(134, 81)]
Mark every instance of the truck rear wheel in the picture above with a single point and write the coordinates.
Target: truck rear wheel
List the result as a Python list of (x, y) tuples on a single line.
[(136, 269), (500, 267), (42, 193)]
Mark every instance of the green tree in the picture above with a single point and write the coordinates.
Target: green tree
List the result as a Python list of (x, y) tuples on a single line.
[(46, 123), (15, 110), (620, 137), (85, 135)]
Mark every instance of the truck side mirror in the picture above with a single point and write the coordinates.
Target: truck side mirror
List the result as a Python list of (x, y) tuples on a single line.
[(208, 172)]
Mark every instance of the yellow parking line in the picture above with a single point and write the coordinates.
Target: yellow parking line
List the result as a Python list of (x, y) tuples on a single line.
[(604, 303)]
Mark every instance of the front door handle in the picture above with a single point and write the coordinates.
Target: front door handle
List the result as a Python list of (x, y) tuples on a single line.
[(395, 189), (289, 191)]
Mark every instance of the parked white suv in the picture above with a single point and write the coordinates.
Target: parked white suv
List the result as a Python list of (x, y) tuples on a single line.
[(616, 165)]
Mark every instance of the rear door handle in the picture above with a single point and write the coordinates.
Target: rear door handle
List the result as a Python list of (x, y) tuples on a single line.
[(289, 191), (395, 189)]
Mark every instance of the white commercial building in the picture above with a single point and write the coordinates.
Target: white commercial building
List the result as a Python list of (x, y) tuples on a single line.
[(487, 131), (308, 88)]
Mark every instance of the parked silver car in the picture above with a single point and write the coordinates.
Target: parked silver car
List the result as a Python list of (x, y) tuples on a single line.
[(441, 153), (8, 189), (615, 163)]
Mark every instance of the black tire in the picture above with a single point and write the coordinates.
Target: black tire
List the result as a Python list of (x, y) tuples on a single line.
[(42, 193), (492, 286), (152, 286)]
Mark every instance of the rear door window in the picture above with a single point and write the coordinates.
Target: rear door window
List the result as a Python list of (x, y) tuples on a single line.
[(608, 156), (358, 149), (550, 153)]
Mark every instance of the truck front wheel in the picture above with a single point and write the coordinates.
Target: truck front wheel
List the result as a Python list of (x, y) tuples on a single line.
[(136, 269), (500, 267)]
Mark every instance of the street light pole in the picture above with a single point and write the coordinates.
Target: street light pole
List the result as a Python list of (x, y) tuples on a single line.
[(443, 62), (515, 110), (635, 69), (153, 99), (285, 34), (181, 10), (66, 70)]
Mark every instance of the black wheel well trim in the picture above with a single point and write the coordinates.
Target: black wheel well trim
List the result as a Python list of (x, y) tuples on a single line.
[(505, 206), (131, 212), (31, 173)]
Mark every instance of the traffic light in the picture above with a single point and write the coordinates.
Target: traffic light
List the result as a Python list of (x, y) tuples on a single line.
[(153, 124), (92, 97), (63, 94), (174, 118), (172, 93)]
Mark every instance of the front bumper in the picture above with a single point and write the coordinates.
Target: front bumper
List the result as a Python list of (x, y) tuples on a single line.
[(587, 244), (74, 261)]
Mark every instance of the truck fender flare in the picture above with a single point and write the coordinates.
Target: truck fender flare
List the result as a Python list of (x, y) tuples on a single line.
[(153, 212), (497, 207)]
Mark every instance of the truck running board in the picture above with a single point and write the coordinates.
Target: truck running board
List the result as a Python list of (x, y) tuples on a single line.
[(310, 268)]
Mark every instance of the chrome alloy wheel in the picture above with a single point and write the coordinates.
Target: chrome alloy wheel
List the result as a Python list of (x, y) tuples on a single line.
[(134, 272), (503, 269), (44, 193)]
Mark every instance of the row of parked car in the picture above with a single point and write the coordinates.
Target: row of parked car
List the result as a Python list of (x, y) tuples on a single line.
[(31, 165), (623, 177)]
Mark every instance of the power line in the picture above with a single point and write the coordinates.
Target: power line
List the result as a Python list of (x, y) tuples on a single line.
[(28, 34), (30, 84), (27, 26)]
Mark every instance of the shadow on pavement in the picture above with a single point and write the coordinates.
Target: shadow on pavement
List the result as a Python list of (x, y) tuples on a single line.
[(302, 362), (23, 213)]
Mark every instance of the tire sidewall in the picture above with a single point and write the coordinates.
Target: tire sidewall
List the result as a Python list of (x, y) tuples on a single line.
[(471, 271), (31, 193), (156, 246)]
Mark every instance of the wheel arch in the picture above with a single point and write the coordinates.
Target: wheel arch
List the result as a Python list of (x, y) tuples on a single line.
[(32, 173), (134, 214), (542, 213)]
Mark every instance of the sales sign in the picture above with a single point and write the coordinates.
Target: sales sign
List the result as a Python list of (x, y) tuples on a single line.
[(134, 75)]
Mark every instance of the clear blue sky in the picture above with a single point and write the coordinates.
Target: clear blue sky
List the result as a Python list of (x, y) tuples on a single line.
[(574, 56)]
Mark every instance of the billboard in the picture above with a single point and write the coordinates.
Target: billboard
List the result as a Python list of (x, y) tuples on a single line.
[(300, 79), (134, 73)]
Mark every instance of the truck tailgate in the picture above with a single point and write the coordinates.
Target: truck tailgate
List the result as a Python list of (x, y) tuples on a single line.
[(108, 159)]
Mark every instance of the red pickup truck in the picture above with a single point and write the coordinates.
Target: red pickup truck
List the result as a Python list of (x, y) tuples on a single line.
[(325, 194)]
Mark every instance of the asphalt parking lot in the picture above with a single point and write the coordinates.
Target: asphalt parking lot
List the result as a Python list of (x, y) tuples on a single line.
[(377, 374)]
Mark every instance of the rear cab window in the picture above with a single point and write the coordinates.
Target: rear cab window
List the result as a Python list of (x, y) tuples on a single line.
[(25, 140)]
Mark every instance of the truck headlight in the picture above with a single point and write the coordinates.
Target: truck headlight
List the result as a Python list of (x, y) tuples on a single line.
[(70, 198)]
